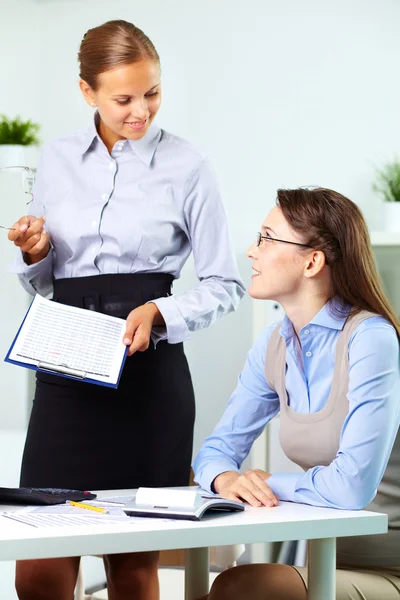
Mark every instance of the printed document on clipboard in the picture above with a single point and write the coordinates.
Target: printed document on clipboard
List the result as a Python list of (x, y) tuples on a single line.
[(71, 342)]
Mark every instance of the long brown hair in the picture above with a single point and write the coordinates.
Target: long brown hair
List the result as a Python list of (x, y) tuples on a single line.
[(112, 45), (332, 223)]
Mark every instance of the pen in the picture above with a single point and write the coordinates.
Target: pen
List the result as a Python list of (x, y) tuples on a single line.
[(88, 506)]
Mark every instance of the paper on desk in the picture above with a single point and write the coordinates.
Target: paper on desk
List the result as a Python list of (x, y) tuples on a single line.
[(113, 500), (63, 515), (70, 509), (66, 515), (51, 520), (165, 497)]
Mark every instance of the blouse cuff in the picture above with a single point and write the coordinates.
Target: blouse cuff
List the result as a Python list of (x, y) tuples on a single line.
[(284, 485), (20, 267), (208, 473), (34, 277), (176, 329)]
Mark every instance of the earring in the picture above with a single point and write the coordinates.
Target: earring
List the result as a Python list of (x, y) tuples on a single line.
[(93, 104)]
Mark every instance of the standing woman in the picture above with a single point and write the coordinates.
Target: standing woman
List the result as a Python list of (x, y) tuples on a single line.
[(117, 210)]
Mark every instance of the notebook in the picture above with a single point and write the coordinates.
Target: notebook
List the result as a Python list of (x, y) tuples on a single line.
[(169, 503)]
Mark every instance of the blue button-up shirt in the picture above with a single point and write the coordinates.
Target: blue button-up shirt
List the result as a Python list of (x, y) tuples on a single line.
[(369, 430), (143, 208)]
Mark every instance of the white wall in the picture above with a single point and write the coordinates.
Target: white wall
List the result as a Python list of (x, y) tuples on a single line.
[(19, 94), (20, 27), (14, 303), (282, 94)]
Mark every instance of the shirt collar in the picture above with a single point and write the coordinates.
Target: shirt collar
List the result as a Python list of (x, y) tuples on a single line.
[(90, 135), (143, 148), (146, 147), (332, 315)]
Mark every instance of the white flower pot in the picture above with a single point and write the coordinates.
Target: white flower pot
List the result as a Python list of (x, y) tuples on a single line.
[(12, 155), (392, 216)]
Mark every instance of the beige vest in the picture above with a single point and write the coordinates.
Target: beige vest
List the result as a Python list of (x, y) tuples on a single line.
[(313, 439)]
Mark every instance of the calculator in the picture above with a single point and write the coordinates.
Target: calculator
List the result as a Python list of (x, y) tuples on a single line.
[(31, 495)]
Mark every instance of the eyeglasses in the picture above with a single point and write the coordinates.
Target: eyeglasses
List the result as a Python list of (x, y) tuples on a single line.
[(27, 181), (260, 238)]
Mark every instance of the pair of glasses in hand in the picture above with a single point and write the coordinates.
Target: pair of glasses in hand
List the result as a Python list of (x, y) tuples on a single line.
[(27, 177)]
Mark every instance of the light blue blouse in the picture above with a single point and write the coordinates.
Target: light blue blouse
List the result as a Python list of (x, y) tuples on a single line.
[(143, 208), (369, 430)]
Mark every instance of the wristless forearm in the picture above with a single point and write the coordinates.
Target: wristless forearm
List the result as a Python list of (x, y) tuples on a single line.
[(32, 259), (224, 479), (158, 319)]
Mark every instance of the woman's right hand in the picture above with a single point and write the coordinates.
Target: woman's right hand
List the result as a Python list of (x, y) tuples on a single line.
[(251, 487), (29, 235)]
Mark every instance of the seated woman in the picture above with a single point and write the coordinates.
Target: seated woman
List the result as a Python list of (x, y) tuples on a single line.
[(331, 369)]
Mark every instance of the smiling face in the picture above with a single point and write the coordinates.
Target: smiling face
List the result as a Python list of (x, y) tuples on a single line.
[(127, 98), (280, 269)]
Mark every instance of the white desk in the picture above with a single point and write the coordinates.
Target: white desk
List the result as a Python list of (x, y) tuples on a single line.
[(285, 522)]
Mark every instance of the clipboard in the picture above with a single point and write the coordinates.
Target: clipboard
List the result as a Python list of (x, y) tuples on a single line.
[(71, 342)]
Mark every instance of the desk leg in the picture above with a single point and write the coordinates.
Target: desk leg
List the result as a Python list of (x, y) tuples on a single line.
[(197, 567), (322, 569)]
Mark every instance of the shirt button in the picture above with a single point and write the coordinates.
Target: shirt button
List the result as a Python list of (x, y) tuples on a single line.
[(111, 165), (104, 197), (94, 224), (306, 331), (308, 353)]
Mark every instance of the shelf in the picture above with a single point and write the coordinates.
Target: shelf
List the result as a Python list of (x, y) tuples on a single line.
[(385, 238)]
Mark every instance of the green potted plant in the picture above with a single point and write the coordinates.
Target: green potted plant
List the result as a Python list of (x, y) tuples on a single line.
[(387, 184), (15, 136)]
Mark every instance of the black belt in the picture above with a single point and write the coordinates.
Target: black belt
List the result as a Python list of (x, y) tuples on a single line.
[(115, 294)]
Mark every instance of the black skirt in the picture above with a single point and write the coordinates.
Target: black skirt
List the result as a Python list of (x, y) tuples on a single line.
[(86, 436)]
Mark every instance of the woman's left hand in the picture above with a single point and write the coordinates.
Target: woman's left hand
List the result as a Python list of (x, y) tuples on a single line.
[(139, 324)]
